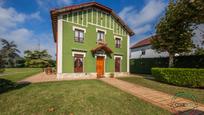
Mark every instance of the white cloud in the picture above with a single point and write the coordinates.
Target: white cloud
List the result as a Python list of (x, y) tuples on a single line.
[(141, 20), (25, 39), (143, 29), (35, 15)]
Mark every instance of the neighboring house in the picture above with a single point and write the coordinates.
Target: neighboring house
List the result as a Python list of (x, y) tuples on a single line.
[(143, 49), (90, 40)]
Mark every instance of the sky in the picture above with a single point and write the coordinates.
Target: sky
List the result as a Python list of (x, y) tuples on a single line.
[(28, 22)]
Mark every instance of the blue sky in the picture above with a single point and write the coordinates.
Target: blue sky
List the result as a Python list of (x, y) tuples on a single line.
[(28, 23)]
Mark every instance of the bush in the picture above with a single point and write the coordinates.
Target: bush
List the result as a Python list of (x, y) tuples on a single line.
[(144, 65), (180, 76)]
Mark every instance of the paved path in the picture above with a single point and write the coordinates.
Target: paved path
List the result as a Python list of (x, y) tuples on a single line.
[(42, 77), (158, 98)]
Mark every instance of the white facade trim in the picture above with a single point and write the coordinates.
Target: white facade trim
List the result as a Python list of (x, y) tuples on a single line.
[(104, 55), (128, 53), (79, 28), (121, 57), (59, 45), (97, 29), (81, 53), (118, 37)]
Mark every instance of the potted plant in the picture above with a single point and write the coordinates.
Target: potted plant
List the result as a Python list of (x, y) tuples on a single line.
[(111, 75)]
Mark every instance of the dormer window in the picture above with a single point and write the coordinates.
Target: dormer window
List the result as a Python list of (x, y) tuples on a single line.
[(101, 36)]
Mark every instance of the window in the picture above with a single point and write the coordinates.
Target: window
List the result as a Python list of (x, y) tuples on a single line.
[(117, 42), (100, 36), (79, 35), (78, 63), (143, 52)]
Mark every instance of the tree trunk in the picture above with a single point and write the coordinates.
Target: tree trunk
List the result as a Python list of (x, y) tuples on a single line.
[(171, 60)]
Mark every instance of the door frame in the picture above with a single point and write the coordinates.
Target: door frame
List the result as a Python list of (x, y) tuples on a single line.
[(101, 55)]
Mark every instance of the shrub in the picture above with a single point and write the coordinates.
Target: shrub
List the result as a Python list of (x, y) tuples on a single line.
[(144, 65), (180, 76)]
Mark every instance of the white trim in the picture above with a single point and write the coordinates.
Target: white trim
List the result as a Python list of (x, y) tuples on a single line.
[(128, 53), (100, 55), (82, 20), (59, 45), (77, 17), (115, 56), (92, 15), (81, 53), (79, 28), (118, 37), (97, 17), (102, 18), (97, 29)]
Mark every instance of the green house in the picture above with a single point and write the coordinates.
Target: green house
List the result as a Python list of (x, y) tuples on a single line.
[(91, 40)]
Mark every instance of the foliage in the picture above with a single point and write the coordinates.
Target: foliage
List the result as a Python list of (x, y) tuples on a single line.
[(6, 85), (180, 76), (37, 58), (2, 63), (174, 31), (144, 65), (9, 52), (199, 51)]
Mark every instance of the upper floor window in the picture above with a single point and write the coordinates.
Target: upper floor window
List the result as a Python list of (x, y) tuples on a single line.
[(79, 35), (118, 43), (100, 36)]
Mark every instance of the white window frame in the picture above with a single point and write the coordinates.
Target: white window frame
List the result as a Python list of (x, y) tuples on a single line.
[(78, 28)]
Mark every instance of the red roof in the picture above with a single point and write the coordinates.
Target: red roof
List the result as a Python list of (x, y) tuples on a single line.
[(141, 43), (55, 12)]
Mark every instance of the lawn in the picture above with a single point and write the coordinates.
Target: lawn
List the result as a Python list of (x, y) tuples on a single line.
[(15, 74), (198, 93), (84, 97)]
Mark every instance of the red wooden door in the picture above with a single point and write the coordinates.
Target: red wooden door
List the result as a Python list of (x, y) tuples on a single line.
[(117, 64), (100, 66)]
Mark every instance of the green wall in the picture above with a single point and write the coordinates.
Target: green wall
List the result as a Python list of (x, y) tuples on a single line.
[(84, 20)]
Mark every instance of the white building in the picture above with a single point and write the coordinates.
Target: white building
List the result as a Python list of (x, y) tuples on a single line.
[(143, 49)]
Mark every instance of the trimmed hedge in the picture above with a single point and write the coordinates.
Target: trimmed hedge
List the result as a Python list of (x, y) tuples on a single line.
[(180, 76), (144, 65)]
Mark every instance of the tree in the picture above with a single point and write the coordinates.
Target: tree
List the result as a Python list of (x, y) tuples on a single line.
[(199, 51), (9, 52), (37, 58), (175, 29)]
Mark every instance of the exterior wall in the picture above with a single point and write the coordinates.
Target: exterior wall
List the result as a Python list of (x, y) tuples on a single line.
[(149, 53), (90, 19)]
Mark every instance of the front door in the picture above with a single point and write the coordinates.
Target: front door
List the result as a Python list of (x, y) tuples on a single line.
[(100, 66)]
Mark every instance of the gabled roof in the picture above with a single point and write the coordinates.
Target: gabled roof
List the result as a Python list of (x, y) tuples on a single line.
[(55, 12), (144, 42)]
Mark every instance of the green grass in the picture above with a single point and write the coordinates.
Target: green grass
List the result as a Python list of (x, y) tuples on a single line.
[(170, 89), (85, 97), (16, 74)]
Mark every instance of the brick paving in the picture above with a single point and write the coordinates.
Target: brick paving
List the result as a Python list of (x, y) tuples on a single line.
[(42, 77), (158, 98)]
